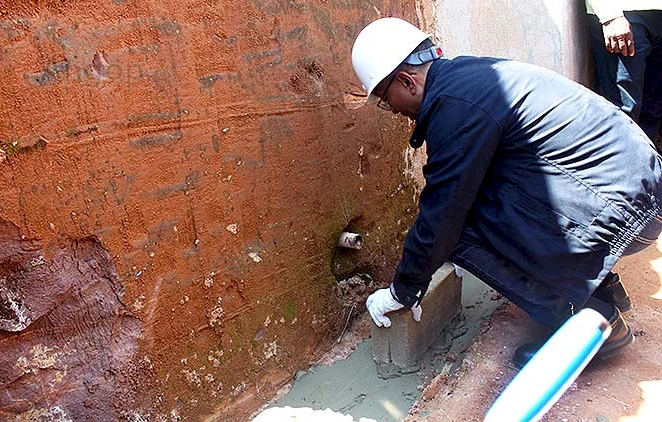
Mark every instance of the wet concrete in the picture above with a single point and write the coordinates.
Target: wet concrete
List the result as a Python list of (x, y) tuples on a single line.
[(352, 386)]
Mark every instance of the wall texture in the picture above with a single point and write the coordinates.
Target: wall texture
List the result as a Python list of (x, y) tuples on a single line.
[(174, 176), (549, 33)]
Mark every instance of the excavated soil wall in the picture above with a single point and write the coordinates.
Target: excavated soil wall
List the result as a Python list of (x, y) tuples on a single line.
[(173, 180)]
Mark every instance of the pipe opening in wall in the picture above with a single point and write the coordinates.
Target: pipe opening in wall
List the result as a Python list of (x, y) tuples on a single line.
[(350, 240)]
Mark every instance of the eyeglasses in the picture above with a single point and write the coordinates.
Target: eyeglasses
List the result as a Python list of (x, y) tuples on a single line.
[(383, 99)]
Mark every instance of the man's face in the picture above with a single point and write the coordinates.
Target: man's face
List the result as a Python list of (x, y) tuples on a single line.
[(382, 93), (399, 93)]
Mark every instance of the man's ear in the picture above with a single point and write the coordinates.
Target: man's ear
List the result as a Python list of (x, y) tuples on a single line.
[(406, 80)]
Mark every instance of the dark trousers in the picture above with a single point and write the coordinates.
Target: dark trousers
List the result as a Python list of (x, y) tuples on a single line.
[(543, 304), (633, 83)]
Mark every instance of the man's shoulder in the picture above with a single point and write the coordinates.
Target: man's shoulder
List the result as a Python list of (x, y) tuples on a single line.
[(461, 76), (472, 61)]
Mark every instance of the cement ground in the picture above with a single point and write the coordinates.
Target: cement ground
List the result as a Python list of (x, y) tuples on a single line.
[(346, 381), (460, 379)]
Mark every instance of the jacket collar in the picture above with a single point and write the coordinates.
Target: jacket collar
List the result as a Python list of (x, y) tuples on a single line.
[(418, 135)]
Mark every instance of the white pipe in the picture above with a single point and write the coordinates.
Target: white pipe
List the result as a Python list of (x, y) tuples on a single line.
[(550, 372), (350, 240)]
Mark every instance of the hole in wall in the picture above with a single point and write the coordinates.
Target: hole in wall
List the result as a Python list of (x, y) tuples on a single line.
[(351, 265)]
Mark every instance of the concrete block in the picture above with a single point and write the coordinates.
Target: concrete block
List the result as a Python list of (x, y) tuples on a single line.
[(399, 348)]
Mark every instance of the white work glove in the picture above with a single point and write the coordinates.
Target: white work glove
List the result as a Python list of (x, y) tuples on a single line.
[(381, 302)]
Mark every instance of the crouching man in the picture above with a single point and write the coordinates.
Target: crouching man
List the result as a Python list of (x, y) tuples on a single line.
[(533, 183)]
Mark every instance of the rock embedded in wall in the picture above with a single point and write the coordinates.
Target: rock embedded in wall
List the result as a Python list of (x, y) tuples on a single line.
[(66, 334)]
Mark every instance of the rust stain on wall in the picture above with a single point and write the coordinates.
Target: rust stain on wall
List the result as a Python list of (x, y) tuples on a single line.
[(185, 170)]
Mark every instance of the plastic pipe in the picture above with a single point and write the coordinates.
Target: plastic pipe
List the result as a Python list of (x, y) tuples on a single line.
[(350, 240), (550, 372)]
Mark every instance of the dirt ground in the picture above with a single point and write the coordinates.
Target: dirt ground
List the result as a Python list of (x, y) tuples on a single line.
[(626, 388)]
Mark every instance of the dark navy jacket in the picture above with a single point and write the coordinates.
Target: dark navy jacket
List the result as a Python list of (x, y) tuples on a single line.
[(548, 176)]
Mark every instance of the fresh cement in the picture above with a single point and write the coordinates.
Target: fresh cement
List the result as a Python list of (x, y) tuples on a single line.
[(351, 390)]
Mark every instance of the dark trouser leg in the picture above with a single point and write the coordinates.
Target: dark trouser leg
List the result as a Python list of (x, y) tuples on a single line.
[(543, 305), (605, 63), (648, 43), (620, 79), (619, 339), (651, 107)]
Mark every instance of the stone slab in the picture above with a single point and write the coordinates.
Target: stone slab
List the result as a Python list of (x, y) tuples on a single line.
[(399, 348)]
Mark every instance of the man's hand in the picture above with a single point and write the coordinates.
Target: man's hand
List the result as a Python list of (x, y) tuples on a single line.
[(619, 38), (381, 302)]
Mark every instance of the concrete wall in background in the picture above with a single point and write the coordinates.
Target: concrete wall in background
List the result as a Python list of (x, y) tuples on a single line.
[(549, 33), (174, 176)]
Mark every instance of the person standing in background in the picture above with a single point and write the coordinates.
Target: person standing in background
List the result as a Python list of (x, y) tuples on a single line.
[(626, 43)]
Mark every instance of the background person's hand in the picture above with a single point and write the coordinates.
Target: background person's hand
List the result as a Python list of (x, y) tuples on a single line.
[(619, 38), (381, 302)]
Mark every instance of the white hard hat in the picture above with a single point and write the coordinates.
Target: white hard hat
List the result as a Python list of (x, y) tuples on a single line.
[(380, 47)]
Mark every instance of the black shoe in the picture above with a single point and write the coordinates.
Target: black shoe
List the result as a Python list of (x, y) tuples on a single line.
[(612, 291), (618, 340)]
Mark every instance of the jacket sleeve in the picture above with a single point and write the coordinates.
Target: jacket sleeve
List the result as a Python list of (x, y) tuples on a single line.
[(605, 10), (461, 140)]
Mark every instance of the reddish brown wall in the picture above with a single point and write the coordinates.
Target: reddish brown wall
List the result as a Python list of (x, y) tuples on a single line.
[(174, 176)]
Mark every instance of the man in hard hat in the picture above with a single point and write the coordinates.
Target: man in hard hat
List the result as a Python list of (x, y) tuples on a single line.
[(534, 183), (626, 42)]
